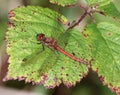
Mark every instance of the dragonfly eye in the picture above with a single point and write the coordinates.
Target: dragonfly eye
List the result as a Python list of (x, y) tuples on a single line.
[(40, 37)]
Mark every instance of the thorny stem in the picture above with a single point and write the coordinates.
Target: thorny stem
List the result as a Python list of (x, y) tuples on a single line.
[(88, 11), (75, 24)]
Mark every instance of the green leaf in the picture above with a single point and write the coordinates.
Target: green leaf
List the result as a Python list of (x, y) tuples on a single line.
[(104, 39), (100, 2), (27, 59), (64, 2), (111, 11)]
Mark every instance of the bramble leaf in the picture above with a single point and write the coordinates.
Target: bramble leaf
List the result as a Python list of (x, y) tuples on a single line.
[(64, 2), (27, 59), (111, 11), (104, 39), (72, 2)]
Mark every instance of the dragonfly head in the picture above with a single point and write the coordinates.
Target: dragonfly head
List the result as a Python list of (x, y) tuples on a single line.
[(40, 37)]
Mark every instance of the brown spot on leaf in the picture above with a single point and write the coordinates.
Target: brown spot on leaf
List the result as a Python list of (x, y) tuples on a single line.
[(66, 74), (90, 47), (91, 60), (103, 13), (85, 35), (114, 17), (109, 33), (10, 24), (62, 68), (71, 5), (84, 30), (23, 30), (80, 75), (63, 22)]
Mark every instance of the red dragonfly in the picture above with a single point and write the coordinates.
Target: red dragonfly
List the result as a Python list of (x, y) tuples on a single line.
[(52, 44)]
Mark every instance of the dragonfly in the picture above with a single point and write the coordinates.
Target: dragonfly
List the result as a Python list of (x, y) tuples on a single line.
[(53, 44)]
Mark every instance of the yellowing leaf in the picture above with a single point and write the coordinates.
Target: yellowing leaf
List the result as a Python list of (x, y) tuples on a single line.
[(27, 59)]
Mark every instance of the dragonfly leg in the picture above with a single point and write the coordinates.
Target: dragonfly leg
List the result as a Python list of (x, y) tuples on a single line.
[(43, 47)]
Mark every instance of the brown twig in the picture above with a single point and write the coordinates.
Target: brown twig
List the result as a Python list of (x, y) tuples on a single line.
[(88, 11), (82, 17)]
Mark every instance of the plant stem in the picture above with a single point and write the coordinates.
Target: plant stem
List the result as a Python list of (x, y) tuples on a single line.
[(82, 17)]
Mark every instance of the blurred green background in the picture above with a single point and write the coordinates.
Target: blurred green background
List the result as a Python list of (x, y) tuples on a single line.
[(90, 85)]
